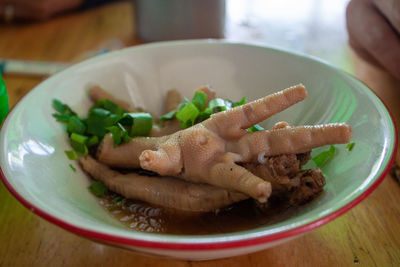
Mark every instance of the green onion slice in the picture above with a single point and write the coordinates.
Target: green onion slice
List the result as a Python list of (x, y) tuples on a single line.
[(71, 154), (188, 114), (199, 100), (75, 125), (168, 116), (109, 105), (61, 117), (217, 104), (78, 143), (350, 146), (241, 102), (99, 120), (204, 115), (255, 128), (142, 123), (62, 108), (98, 189), (116, 134), (94, 140), (322, 158), (72, 167)]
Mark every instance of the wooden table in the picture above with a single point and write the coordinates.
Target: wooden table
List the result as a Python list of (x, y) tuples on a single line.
[(368, 235)]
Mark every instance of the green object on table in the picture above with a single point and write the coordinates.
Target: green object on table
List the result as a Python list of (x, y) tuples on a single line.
[(4, 108)]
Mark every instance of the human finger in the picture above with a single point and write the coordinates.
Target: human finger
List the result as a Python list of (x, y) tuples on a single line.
[(372, 36)]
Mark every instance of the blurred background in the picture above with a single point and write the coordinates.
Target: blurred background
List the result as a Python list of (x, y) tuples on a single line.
[(313, 27), (66, 35)]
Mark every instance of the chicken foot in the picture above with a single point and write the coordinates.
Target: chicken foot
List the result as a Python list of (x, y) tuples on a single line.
[(200, 154), (163, 191), (205, 153)]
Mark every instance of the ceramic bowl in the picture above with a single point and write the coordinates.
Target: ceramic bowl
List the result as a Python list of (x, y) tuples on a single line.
[(36, 170)]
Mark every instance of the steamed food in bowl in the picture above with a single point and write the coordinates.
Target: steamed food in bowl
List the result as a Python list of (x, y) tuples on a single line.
[(205, 160)]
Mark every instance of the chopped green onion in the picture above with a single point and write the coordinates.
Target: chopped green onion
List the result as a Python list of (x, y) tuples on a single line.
[(61, 117), (94, 140), (98, 189), (241, 102), (116, 134), (99, 119), (322, 158), (78, 143), (109, 105), (142, 123), (168, 116), (217, 104), (75, 125), (64, 111), (126, 138), (188, 114), (119, 134), (72, 167), (62, 108), (350, 146), (255, 128), (204, 115), (199, 100), (71, 154), (117, 203), (124, 133)]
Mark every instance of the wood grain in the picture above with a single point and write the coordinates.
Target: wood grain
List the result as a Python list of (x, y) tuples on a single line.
[(367, 235)]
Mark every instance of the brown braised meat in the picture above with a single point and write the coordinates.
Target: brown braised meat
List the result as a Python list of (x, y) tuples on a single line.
[(288, 181)]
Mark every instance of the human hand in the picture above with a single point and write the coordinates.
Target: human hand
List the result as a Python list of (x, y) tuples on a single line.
[(374, 32), (36, 9)]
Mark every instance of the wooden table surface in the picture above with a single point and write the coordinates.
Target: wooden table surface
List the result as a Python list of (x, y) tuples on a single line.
[(367, 235)]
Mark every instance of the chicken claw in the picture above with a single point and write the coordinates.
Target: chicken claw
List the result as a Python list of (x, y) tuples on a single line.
[(208, 152)]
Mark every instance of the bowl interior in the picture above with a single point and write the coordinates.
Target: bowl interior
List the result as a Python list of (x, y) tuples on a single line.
[(33, 143)]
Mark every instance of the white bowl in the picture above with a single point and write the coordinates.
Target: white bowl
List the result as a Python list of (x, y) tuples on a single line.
[(36, 171)]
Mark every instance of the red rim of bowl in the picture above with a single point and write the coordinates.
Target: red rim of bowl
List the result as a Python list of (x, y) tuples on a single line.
[(214, 245)]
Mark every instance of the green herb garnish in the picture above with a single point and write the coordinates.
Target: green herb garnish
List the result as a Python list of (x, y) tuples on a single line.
[(350, 146), (94, 140), (188, 114), (255, 128), (72, 167), (241, 102), (142, 123), (78, 143), (199, 100), (99, 120), (71, 154), (104, 116), (75, 125), (322, 158), (118, 202), (195, 111), (168, 116), (217, 105), (63, 109), (98, 189), (110, 106)]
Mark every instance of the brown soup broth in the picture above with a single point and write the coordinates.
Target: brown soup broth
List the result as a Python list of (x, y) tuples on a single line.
[(144, 217)]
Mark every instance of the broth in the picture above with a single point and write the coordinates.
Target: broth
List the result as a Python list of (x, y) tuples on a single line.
[(245, 215)]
